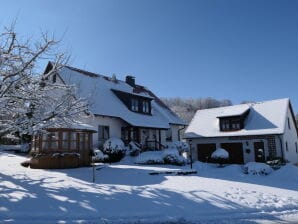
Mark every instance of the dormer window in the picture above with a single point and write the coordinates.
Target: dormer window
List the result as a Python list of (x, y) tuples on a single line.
[(146, 108), (134, 104), (230, 124), (233, 122)]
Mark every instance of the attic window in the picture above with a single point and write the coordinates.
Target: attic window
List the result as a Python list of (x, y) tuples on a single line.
[(230, 124), (289, 125), (134, 104)]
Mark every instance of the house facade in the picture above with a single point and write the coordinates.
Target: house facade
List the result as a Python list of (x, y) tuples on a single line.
[(123, 109), (249, 132)]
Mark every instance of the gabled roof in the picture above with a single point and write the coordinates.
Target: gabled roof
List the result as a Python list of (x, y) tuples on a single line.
[(264, 118), (103, 101)]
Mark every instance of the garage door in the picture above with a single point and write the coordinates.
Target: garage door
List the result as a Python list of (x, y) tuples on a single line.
[(205, 151), (235, 152)]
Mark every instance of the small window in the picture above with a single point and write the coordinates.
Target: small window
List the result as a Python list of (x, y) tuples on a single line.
[(134, 104), (289, 124), (103, 133), (169, 135), (287, 148), (296, 147)]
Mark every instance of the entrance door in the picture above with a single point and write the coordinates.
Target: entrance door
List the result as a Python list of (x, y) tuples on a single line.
[(205, 151), (259, 152), (235, 151)]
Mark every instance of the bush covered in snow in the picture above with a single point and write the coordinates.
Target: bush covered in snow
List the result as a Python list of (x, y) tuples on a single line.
[(167, 156), (179, 145), (115, 149), (133, 148), (171, 156), (150, 157), (98, 156), (220, 156), (257, 169)]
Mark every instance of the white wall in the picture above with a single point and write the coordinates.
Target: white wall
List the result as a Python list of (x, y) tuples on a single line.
[(290, 136), (114, 124)]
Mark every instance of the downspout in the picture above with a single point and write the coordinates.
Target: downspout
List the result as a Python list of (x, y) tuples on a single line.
[(281, 147), (179, 138)]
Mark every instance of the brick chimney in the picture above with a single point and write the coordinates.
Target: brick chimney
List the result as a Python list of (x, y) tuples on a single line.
[(130, 80)]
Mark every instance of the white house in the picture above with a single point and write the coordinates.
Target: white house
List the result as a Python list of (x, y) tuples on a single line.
[(249, 132), (123, 109)]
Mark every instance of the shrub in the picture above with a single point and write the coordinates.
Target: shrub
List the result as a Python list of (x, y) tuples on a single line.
[(167, 156), (133, 148), (180, 146), (257, 169), (114, 148), (220, 156), (98, 156), (171, 156)]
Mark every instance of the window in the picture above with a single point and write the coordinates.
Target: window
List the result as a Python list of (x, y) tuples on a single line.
[(230, 124), (169, 135), (287, 148), (146, 108), (296, 147), (134, 104), (289, 126), (103, 133), (225, 125)]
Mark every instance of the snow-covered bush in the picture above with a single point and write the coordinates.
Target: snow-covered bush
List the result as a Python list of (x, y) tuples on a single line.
[(255, 168), (150, 157), (115, 149), (171, 156), (167, 156), (179, 145), (133, 148), (98, 156), (220, 156)]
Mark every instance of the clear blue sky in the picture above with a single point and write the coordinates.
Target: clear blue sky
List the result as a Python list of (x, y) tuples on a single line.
[(232, 49)]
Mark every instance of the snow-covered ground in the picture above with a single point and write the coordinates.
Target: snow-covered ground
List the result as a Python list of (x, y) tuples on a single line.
[(126, 193)]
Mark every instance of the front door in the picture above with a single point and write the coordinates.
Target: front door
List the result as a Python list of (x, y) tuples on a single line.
[(259, 152)]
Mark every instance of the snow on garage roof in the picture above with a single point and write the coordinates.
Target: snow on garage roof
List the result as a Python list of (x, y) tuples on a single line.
[(103, 101), (264, 118)]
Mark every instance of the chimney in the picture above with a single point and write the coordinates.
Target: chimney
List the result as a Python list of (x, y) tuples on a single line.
[(130, 80)]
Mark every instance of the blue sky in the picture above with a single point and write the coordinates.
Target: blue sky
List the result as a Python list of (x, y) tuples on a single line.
[(237, 50)]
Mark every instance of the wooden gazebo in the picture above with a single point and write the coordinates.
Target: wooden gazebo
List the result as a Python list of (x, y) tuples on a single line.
[(61, 148)]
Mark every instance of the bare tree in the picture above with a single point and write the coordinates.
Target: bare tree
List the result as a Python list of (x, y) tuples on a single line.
[(186, 108), (29, 100)]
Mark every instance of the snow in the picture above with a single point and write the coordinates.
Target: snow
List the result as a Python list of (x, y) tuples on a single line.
[(103, 101), (114, 144), (257, 168), (99, 156), (179, 145), (150, 157), (266, 117), (126, 193), (220, 153)]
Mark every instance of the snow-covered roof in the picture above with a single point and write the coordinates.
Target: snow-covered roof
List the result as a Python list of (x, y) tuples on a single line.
[(103, 101), (266, 117), (236, 111)]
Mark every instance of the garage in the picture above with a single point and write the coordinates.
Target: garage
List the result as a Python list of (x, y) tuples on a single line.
[(205, 151), (235, 152)]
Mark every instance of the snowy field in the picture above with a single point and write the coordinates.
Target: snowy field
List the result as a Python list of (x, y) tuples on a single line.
[(126, 193)]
